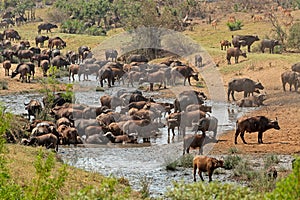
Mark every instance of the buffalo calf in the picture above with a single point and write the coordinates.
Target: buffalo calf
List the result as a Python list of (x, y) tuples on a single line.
[(205, 164)]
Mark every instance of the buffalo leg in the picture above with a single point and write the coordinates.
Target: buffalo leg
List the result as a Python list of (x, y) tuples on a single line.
[(232, 95), (200, 174), (210, 175), (242, 136), (195, 170), (260, 134), (237, 132)]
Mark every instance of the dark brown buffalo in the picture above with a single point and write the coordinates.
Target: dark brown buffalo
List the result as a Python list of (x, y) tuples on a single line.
[(296, 67), (173, 121), (58, 43), (270, 44), (8, 54), (187, 98), (81, 51), (193, 141), (24, 71), (34, 107), (258, 124), (292, 78), (35, 50), (25, 43), (40, 39), (6, 65), (12, 34), (205, 164), (111, 102), (106, 73), (46, 26), (244, 40), (236, 53), (59, 61), (207, 124), (73, 69), (136, 58), (48, 140), (69, 136), (198, 60), (225, 44), (111, 53), (72, 57), (121, 138), (24, 54), (243, 84), (45, 66), (40, 57), (185, 72)]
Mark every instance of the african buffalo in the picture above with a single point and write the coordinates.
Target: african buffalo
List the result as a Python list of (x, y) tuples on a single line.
[(46, 26), (24, 54), (111, 101), (58, 43), (243, 40), (270, 44), (81, 51), (198, 60), (48, 140), (183, 71), (187, 98), (258, 124), (243, 84), (292, 78), (296, 67), (6, 65), (121, 138), (236, 53), (154, 77), (45, 66), (207, 124), (136, 58), (33, 108), (59, 61), (106, 73), (24, 71), (225, 44), (205, 164), (111, 53), (12, 34), (252, 101), (73, 69)]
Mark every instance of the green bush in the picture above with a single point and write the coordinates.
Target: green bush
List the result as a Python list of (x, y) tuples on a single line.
[(293, 40), (213, 190), (231, 161), (95, 31), (233, 26), (289, 187), (270, 160), (73, 26)]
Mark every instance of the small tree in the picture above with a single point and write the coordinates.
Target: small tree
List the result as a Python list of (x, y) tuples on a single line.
[(294, 37)]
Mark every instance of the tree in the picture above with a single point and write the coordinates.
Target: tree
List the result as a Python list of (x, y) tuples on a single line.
[(294, 37)]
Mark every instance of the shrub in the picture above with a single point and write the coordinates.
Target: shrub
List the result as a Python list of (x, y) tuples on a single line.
[(289, 187), (270, 160), (233, 150), (231, 161), (186, 161), (97, 31), (213, 190), (243, 171), (3, 85), (73, 26), (233, 26), (293, 40)]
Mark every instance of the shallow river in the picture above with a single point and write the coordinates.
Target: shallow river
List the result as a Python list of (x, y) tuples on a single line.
[(138, 161)]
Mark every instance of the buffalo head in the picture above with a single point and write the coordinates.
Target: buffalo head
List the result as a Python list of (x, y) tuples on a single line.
[(14, 73), (259, 86), (275, 124), (195, 76)]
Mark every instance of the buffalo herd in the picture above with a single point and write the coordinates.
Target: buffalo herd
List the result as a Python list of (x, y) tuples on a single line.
[(131, 117)]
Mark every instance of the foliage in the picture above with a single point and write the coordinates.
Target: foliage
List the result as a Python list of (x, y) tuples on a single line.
[(233, 26), (270, 160), (233, 150), (46, 184), (293, 40), (231, 161), (289, 187), (213, 190), (73, 26), (69, 94), (109, 189), (145, 186)]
